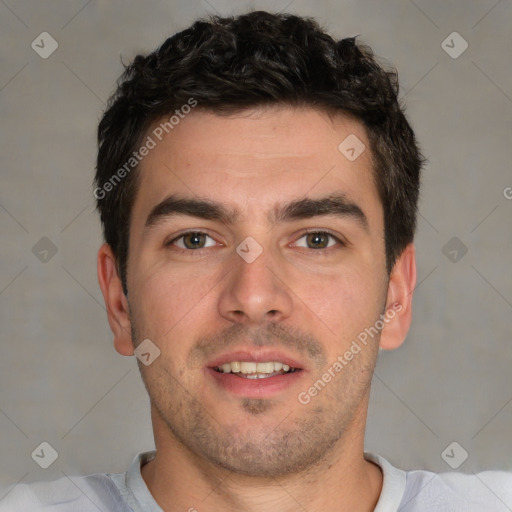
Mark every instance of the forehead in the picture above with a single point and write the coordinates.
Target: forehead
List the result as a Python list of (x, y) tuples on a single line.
[(253, 160)]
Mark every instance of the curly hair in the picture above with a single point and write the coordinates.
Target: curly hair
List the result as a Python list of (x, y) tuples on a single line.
[(229, 64)]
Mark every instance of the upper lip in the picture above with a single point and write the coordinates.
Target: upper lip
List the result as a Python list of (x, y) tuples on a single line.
[(257, 356)]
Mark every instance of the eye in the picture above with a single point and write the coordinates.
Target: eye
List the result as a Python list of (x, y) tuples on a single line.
[(193, 240), (318, 240)]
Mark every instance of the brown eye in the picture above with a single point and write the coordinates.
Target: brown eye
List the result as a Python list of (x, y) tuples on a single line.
[(193, 240), (318, 240)]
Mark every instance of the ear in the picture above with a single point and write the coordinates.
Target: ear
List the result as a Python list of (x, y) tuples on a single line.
[(115, 301), (399, 300)]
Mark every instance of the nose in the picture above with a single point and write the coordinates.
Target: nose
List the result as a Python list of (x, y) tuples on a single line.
[(255, 293)]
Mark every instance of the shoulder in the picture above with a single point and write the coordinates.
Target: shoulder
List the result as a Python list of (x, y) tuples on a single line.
[(425, 491), (489, 491), (73, 494)]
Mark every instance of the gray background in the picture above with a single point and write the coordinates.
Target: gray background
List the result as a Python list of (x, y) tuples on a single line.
[(61, 380)]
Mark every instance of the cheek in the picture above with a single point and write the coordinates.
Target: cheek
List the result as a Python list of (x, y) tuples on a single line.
[(166, 309), (166, 298), (342, 304)]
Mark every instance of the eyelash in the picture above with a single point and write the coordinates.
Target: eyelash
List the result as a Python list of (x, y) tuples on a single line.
[(340, 242)]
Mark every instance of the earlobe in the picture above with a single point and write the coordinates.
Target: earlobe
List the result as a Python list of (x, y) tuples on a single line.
[(399, 300), (115, 301)]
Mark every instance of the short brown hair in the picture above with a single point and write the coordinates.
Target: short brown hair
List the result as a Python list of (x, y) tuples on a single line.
[(235, 63)]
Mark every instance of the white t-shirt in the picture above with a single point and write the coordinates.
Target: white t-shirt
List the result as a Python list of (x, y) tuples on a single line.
[(402, 491)]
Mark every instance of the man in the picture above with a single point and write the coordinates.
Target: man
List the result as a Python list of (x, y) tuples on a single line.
[(257, 183)]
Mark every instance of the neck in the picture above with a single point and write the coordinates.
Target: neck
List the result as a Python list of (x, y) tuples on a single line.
[(343, 481)]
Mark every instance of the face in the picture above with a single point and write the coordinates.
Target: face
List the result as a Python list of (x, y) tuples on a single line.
[(254, 239)]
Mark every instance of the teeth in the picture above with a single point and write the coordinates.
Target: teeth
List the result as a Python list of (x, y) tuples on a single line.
[(265, 367), (250, 367), (257, 376)]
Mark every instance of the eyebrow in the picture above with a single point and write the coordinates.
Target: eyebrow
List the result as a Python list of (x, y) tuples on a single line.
[(335, 204)]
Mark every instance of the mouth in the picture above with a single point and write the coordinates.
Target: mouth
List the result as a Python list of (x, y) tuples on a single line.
[(255, 374), (254, 370)]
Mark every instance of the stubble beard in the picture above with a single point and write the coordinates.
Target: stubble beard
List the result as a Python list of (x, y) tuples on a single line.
[(297, 441)]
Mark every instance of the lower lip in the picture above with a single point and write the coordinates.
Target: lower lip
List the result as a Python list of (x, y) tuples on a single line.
[(255, 388)]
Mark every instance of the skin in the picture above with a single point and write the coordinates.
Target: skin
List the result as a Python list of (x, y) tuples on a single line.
[(217, 451)]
